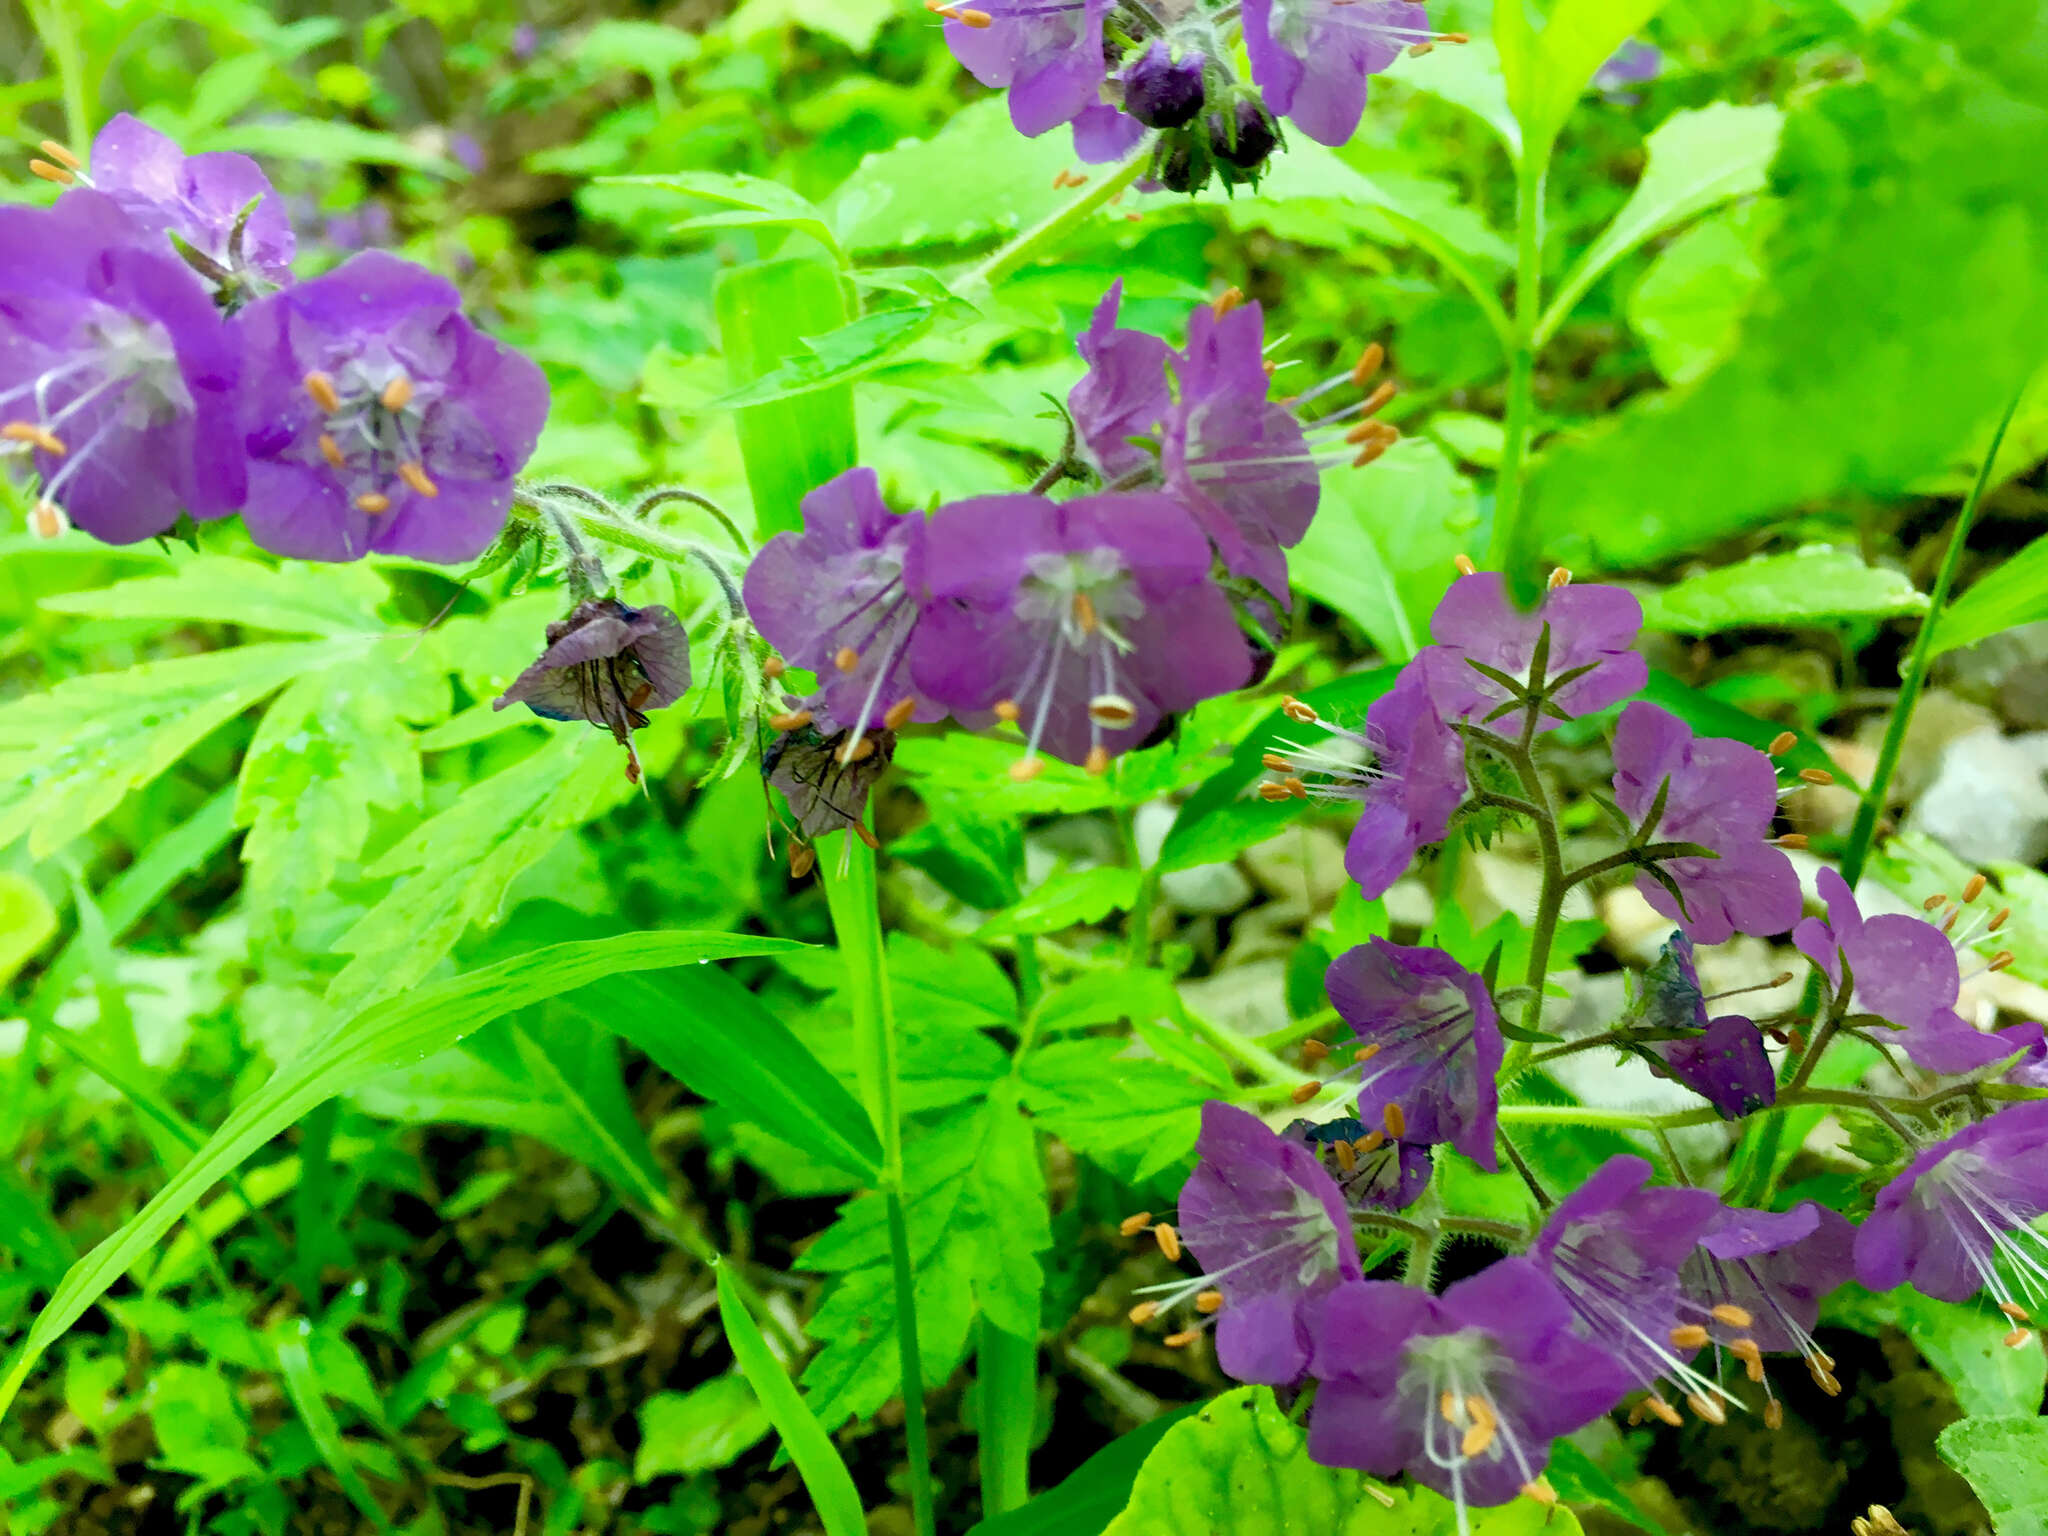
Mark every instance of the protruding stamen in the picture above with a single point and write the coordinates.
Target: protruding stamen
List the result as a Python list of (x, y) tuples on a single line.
[(1096, 764), (373, 502), (60, 154), (858, 750), (1025, 769), (2015, 1311), (1734, 1316), (1209, 1301), (1112, 710), (1132, 1225), (1365, 1052), (1313, 1051), (321, 388), (1306, 1092), (1819, 777), (1368, 364), (790, 720), (1464, 565), (1540, 1491), (46, 520), (1397, 1122), (1792, 840), (330, 450), (1300, 712), (1689, 1336), (1774, 1414), (396, 394), (1706, 1408), (1484, 1426), (1277, 763), (1168, 1241), (1347, 1156), (803, 858), (1745, 1349), (1186, 1336), (1974, 888), (1006, 710), (1781, 743), (1450, 1407), (1933, 901), (1369, 1143), (30, 432), (846, 658), (415, 475), (1229, 299), (2002, 960), (1274, 792), (1998, 919), (897, 715), (773, 668), (1663, 1410), (1560, 577), (1144, 1312), (57, 173), (2018, 1339)]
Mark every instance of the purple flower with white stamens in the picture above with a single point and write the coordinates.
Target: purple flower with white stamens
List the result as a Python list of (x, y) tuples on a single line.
[(842, 599), (1429, 1044), (1756, 1280), (1465, 1391), (1271, 1232), (1592, 631), (1614, 1248), (1046, 53), (199, 198), (117, 374), (1904, 971), (1725, 1062), (1087, 622), (1373, 1171), (1720, 795), (1311, 58), (608, 664), (1961, 1216), (1123, 395), (376, 417)]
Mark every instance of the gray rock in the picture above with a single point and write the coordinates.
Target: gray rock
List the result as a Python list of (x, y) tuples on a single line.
[(1987, 801)]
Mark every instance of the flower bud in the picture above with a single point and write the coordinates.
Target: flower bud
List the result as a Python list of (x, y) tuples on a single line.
[(1161, 91), (1242, 141)]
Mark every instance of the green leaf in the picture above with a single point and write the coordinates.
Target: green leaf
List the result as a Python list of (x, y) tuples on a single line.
[(851, 352), (1065, 899), (405, 1028), (1688, 306), (1381, 549), (854, 22), (1239, 1468), (707, 1031), (26, 922), (309, 1397), (2006, 1461), (1812, 585), (293, 599), (2011, 593), (707, 1427), (1579, 1479), (1547, 71), (817, 1460), (790, 446), (326, 141), (1103, 1101), (1094, 1493), (456, 867), (755, 201), (1963, 1341), (1698, 158), (1467, 76), (69, 756)]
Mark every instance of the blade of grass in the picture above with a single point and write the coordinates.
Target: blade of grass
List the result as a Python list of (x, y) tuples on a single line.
[(295, 1370)]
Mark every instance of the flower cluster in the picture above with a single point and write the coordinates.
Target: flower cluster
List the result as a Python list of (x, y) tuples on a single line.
[(1088, 623), (159, 361), (1120, 71)]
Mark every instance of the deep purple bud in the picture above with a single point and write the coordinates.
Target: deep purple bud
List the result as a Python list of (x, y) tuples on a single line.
[(199, 198), (1162, 91), (1244, 139), (376, 417), (117, 373)]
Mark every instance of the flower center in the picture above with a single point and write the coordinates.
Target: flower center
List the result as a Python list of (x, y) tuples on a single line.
[(372, 420)]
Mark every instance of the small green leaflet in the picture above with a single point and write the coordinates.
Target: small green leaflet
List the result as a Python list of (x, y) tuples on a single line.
[(1814, 585), (2006, 1461)]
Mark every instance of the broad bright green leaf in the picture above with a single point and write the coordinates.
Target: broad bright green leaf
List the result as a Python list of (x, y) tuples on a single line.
[(752, 199), (26, 922), (298, 598), (837, 357), (1239, 1468), (1105, 1102), (2011, 593), (1546, 71), (2006, 1461), (853, 22), (1071, 897), (695, 1431), (407, 1028), (455, 869), (1697, 159), (1813, 585), (1689, 304), (1964, 1341), (1468, 76), (1381, 549), (70, 756), (1094, 1494)]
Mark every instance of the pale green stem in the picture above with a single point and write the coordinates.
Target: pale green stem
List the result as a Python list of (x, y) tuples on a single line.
[(979, 281)]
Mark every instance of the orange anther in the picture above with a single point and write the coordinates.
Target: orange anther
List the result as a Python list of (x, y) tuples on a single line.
[(1734, 1316), (1368, 364), (1209, 1301), (1006, 710), (1781, 743), (1144, 1312), (60, 154), (1182, 1339), (46, 520), (1313, 1050), (1689, 1336), (1464, 565), (1097, 762), (1168, 1241), (373, 502), (1224, 302), (856, 751), (41, 436), (1306, 1092), (330, 450), (396, 394), (1025, 769), (1974, 888), (321, 388), (1817, 776), (790, 720), (898, 714), (1396, 1121), (846, 658), (416, 476), (1560, 578), (773, 668), (49, 172), (1132, 1225)]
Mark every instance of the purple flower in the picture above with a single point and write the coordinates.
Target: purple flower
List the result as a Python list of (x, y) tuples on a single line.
[(1311, 57), (117, 374), (1464, 1391), (1904, 971), (1162, 89), (608, 664), (1373, 1171), (1239, 461), (842, 599), (1087, 621), (1591, 630), (1721, 795), (1756, 1280), (1725, 1063), (1429, 1044), (1272, 1233), (1047, 53), (199, 198), (825, 773), (1961, 1216), (1615, 1247), (376, 417), (1630, 64), (1124, 394), (1103, 135)]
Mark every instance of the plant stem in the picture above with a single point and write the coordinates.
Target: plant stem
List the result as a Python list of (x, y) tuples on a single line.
[(1865, 829), (980, 280), (1543, 933), (851, 892), (1006, 1380), (1504, 544), (1244, 1052)]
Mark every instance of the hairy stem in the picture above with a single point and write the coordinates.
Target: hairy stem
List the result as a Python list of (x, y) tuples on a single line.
[(1543, 932)]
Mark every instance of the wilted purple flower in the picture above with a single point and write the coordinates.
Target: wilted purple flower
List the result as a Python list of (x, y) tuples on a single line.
[(1373, 1170), (825, 773), (199, 198), (1311, 57), (1272, 1233), (1046, 53), (1725, 1063), (376, 417), (1465, 1391), (1591, 630), (608, 664), (1904, 971), (1614, 1248), (842, 599), (1163, 86), (1429, 1044), (1124, 394), (1718, 794), (116, 372), (1087, 621), (1755, 1282), (1961, 1217), (1631, 64)]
